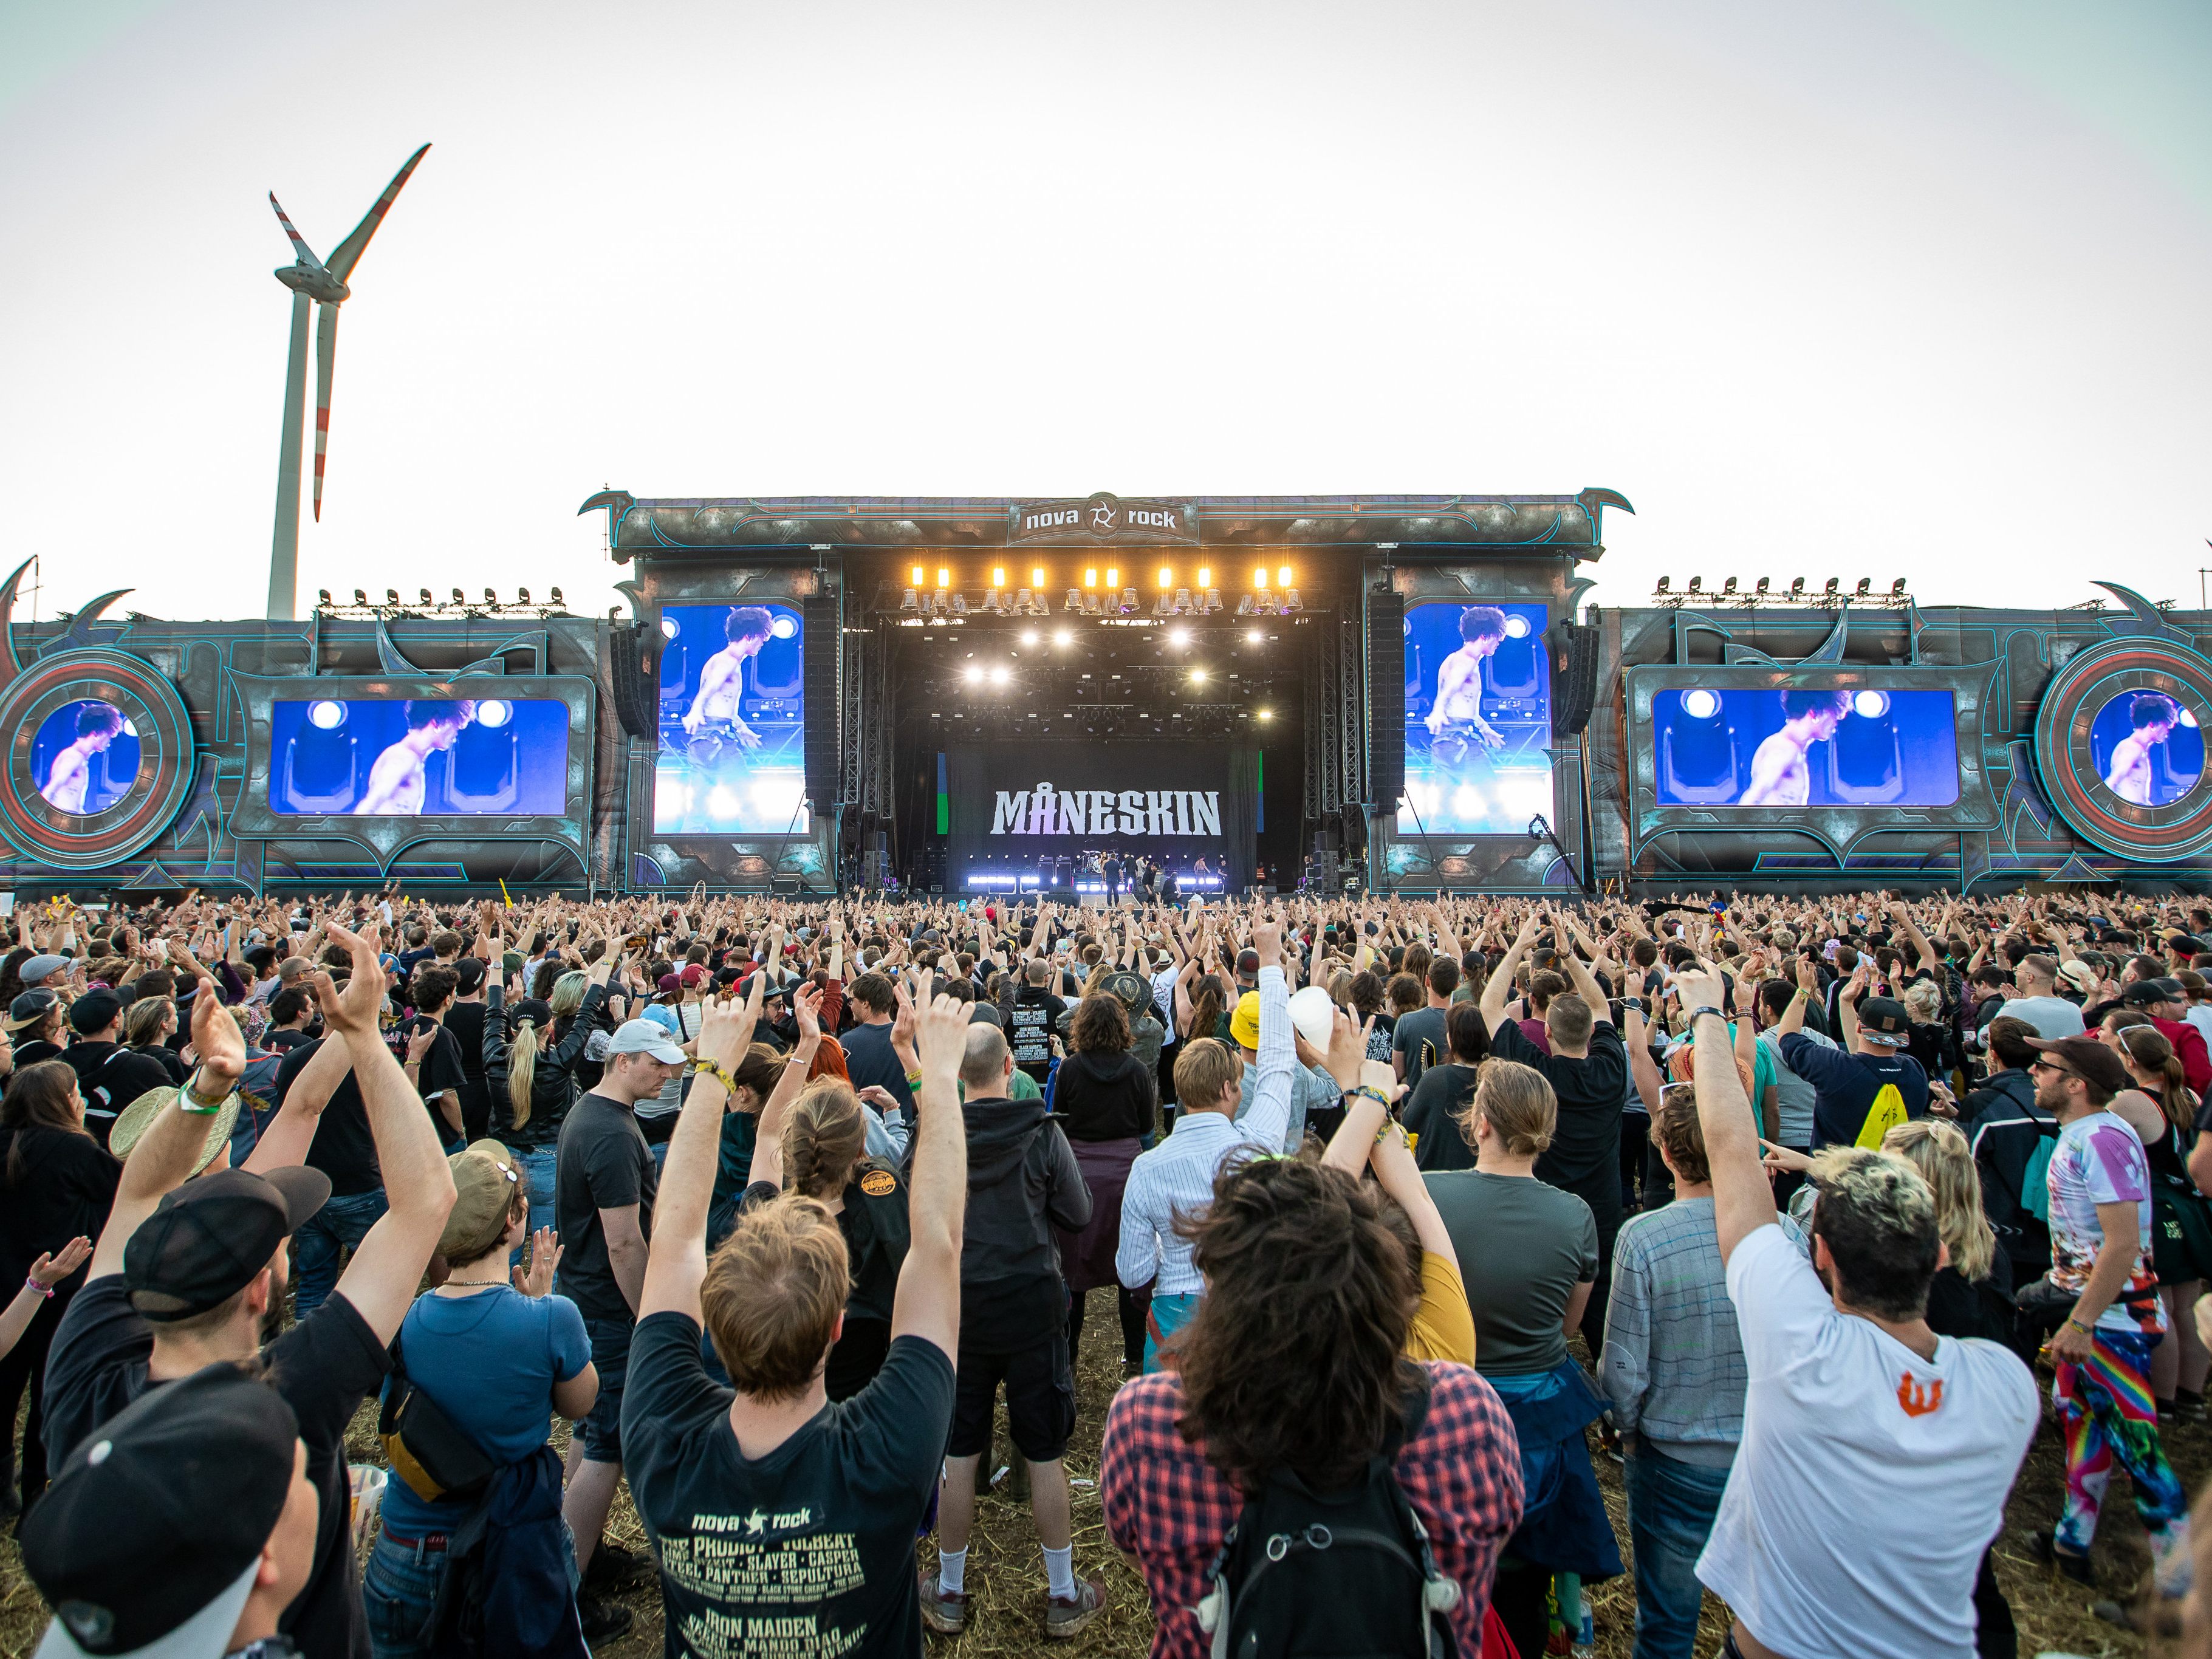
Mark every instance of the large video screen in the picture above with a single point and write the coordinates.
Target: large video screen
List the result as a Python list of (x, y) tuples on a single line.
[(418, 757), (2148, 748), (1719, 747), (84, 757), (732, 722), (1477, 719)]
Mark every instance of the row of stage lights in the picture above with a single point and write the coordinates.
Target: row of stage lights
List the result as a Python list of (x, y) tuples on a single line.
[(1763, 593), (998, 676), (328, 714), (425, 606), (1100, 598)]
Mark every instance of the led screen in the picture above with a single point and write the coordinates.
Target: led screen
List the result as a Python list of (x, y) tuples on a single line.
[(732, 722), (418, 757), (1804, 748), (2147, 748), (1477, 719), (84, 757)]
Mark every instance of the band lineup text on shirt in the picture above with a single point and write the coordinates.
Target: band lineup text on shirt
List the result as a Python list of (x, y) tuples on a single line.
[(1045, 810), (739, 1559)]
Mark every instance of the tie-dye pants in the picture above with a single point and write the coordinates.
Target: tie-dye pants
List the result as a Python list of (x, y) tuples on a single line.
[(2107, 1410)]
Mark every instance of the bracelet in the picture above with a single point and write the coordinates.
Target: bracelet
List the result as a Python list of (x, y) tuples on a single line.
[(2078, 1325), (914, 1079), (1368, 1091), (719, 1073), (1696, 1014), (189, 1100), (46, 1291)]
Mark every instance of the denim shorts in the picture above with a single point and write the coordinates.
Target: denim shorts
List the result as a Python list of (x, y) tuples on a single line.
[(611, 1357), (400, 1593)]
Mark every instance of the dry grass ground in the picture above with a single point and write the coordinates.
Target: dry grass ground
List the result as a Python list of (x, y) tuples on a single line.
[(1005, 1575)]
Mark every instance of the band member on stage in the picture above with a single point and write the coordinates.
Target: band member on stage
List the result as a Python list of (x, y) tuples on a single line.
[(721, 679), (67, 780), (2153, 717), (395, 781), (1458, 708), (1113, 878), (1778, 776)]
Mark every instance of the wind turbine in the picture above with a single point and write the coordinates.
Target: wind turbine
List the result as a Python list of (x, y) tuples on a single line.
[(325, 283)]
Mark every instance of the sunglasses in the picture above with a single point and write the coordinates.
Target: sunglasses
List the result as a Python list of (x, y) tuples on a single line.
[(2049, 1066)]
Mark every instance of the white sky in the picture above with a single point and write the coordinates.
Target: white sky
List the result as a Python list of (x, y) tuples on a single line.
[(1830, 288)]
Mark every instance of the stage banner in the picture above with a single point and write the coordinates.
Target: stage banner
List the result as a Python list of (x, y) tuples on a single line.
[(1015, 804)]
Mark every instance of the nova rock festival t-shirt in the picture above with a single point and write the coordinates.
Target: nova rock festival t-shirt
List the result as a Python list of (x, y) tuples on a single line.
[(807, 1552)]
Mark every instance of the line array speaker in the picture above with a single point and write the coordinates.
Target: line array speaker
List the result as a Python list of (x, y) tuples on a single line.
[(1574, 677), (825, 718), (1386, 696), (636, 694)]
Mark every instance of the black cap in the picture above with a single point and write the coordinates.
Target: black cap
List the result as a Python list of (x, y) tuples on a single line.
[(1884, 1019), (2142, 993), (95, 1010), (1247, 964), (207, 1239), (150, 1537), (33, 1005), (2086, 1057)]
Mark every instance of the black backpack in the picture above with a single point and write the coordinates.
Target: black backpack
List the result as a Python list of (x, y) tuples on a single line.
[(1342, 1575)]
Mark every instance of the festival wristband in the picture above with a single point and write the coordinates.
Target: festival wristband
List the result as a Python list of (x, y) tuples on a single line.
[(1369, 1091), (191, 1100), (1696, 1014), (719, 1073), (46, 1291), (2078, 1325)]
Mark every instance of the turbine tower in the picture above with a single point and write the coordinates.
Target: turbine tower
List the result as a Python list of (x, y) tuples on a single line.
[(312, 279)]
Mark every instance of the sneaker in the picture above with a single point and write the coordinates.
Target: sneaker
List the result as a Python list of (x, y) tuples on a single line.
[(2076, 1567), (943, 1611), (1063, 1618), (614, 1567), (602, 1620)]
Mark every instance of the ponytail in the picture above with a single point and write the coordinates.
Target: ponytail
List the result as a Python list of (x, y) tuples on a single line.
[(521, 1070), (2151, 1051), (823, 1138)]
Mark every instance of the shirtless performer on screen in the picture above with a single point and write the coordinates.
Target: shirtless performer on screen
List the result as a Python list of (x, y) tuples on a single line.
[(71, 775), (396, 783), (1778, 776), (2152, 716), (721, 679), (1459, 676)]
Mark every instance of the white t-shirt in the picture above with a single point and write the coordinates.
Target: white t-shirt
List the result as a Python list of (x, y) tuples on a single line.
[(1868, 1480), (2051, 1017)]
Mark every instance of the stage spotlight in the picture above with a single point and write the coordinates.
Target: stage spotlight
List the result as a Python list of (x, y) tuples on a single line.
[(1865, 587), (361, 595), (1198, 677), (973, 673), (784, 628), (1896, 588), (490, 598), (1727, 587), (1036, 576), (944, 576), (1001, 675), (494, 713), (1267, 713), (1112, 578), (1834, 582), (1063, 637), (667, 626), (556, 601), (1253, 636), (921, 577), (1206, 575), (1517, 627), (722, 802), (1697, 584), (322, 596), (1797, 587), (1283, 577), (326, 715), (1664, 582), (1178, 636), (998, 575), (522, 596), (1167, 579), (458, 598), (130, 728), (425, 597), (392, 596), (1701, 705), (909, 600), (1870, 705), (1029, 636), (1760, 590), (1259, 579), (1090, 577)]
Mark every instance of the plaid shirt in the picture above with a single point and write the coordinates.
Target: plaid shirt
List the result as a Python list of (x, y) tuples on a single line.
[(1170, 1508)]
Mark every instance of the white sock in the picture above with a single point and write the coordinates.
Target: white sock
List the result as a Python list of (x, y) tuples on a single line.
[(1060, 1574), (951, 1572)]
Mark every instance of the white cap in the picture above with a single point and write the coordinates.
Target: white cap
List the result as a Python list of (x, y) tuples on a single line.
[(642, 1036)]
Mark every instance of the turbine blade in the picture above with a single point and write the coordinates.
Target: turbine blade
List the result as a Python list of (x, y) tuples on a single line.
[(348, 253), (298, 243), (326, 347)]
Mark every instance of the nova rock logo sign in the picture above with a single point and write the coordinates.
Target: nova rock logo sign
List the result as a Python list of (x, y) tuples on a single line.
[(1101, 518), (1045, 810)]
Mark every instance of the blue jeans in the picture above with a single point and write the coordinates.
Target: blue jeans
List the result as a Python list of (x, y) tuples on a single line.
[(1671, 1506), (537, 1165), (338, 1226), (400, 1591)]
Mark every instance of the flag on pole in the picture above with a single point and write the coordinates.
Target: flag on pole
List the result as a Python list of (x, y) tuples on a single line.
[(504, 895)]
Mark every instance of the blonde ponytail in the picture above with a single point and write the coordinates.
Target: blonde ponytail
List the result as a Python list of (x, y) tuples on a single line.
[(521, 1070)]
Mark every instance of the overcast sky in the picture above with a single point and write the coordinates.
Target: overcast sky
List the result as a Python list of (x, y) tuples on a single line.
[(1852, 288)]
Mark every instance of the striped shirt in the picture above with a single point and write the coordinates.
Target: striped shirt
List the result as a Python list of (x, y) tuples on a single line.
[(1673, 1364), (1176, 1176)]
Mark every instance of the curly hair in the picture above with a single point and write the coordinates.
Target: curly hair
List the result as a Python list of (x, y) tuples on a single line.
[(1294, 1359), (1101, 1025), (823, 1137)]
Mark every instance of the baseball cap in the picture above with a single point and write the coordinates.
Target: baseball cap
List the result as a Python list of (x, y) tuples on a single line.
[(95, 1010), (205, 1242), (485, 1179), (38, 969), (2145, 992), (642, 1036), (668, 985), (1883, 1019), (148, 1539), (31, 1007), (1244, 1023), (2089, 1058), (693, 973), (1247, 964), (131, 1124)]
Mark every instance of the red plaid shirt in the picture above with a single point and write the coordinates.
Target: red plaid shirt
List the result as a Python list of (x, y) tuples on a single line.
[(1170, 1508)]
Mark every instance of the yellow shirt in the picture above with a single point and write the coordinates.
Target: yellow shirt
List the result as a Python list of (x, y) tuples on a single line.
[(1443, 1325)]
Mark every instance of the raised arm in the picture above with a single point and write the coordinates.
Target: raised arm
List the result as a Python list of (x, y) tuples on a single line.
[(928, 1301), (677, 1265), (287, 1140), (768, 1140), (1743, 1202)]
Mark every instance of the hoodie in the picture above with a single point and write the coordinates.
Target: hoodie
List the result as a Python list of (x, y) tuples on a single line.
[(1023, 1183)]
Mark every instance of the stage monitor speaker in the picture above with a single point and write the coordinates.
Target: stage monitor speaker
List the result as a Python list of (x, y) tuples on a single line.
[(1574, 677), (824, 720), (636, 694), (1386, 696), (783, 886)]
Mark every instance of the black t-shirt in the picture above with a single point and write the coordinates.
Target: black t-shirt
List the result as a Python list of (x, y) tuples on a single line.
[(1429, 1111), (1036, 1017), (110, 1078), (37, 1048), (441, 1069), (809, 1550), (68, 1186), (1419, 1037), (465, 1020), (1584, 1156), (283, 1039), (604, 1164), (324, 1367), (344, 1149)]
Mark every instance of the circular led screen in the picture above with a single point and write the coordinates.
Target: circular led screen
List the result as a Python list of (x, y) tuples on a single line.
[(2147, 747), (99, 759), (2119, 739)]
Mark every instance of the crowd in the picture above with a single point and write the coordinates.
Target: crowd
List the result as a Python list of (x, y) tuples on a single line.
[(1806, 1209)]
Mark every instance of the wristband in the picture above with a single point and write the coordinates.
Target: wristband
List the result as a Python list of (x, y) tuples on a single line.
[(189, 1100), (46, 1291), (2078, 1325), (914, 1079), (1696, 1014), (1369, 1091), (719, 1073)]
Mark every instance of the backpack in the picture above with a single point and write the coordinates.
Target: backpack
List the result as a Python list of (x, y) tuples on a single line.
[(1304, 1574)]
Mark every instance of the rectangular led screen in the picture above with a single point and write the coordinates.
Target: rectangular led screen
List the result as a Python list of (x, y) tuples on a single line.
[(409, 757), (1477, 719), (1845, 747), (732, 755)]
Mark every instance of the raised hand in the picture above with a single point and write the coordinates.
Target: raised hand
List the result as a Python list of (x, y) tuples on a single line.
[(726, 1028), (544, 1257), (216, 1038), (50, 1269)]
